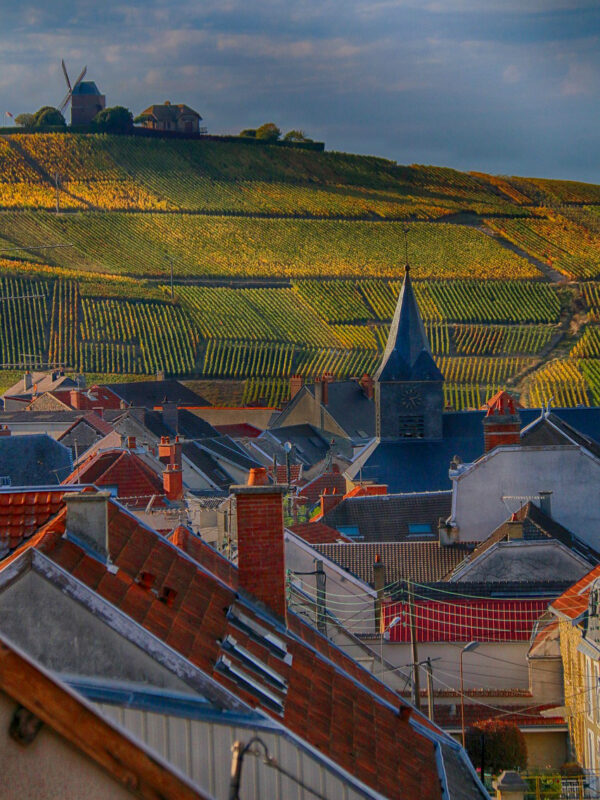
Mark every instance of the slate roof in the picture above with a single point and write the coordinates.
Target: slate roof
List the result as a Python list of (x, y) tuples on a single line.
[(386, 518), (349, 407), (551, 429), (239, 430), (419, 465), (325, 697), (310, 445), (318, 533), (84, 432), (419, 561), (153, 393), (536, 525), (207, 465), (34, 460), (407, 355)]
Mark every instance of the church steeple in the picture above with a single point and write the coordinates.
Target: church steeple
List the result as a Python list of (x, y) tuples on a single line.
[(409, 393), (407, 354)]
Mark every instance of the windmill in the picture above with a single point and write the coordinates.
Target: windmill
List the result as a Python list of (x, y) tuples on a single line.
[(84, 96), (70, 88)]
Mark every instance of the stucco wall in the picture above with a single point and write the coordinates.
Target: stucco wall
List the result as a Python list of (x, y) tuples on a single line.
[(49, 768), (572, 476)]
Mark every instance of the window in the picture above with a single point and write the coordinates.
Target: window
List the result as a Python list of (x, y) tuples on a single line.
[(419, 529), (411, 427), (589, 688)]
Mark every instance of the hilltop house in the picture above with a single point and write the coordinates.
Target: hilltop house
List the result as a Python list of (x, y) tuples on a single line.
[(169, 117)]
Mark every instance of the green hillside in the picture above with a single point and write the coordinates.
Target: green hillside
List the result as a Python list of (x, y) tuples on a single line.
[(287, 261)]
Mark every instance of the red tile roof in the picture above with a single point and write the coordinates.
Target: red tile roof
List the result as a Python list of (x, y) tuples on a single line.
[(575, 600), (22, 514), (318, 533), (135, 481), (329, 700), (326, 481), (464, 620), (523, 716)]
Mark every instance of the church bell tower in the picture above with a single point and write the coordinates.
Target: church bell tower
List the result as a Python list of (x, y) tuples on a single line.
[(409, 393)]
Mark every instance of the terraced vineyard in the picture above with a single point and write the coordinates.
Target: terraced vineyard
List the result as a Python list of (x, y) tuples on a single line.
[(287, 261)]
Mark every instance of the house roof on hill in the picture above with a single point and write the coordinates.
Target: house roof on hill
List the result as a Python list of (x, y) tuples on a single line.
[(421, 466), (419, 561), (392, 517), (34, 460), (551, 429), (207, 464), (536, 526), (310, 445), (294, 674), (318, 533), (329, 482), (154, 393), (43, 381), (134, 480), (169, 112)]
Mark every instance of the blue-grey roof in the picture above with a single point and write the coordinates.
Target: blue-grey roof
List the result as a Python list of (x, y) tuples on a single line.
[(34, 460), (86, 87), (417, 465), (407, 354)]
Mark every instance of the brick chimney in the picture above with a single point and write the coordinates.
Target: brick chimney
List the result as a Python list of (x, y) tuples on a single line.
[(261, 554), (502, 423), (131, 443), (296, 383), (173, 482), (330, 500), (77, 400), (368, 386), (169, 452)]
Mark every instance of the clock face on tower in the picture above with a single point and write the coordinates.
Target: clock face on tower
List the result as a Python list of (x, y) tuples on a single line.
[(410, 398)]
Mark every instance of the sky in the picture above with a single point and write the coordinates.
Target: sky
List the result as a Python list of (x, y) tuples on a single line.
[(502, 86)]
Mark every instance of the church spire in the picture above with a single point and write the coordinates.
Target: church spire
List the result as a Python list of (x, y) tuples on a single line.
[(407, 355)]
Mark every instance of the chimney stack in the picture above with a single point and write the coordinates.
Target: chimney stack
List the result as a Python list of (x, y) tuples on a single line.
[(76, 399), (170, 415), (296, 383), (330, 501), (27, 381), (546, 503), (4, 430), (87, 521), (169, 452), (131, 443), (173, 482), (261, 554), (502, 423), (368, 386), (515, 528)]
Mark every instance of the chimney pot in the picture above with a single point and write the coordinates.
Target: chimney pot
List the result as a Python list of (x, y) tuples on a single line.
[(173, 482), (258, 477), (296, 383), (131, 443)]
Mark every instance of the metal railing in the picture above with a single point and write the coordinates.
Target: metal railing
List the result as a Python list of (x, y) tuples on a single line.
[(562, 787)]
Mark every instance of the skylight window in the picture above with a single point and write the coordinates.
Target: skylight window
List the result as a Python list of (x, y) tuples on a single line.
[(419, 529)]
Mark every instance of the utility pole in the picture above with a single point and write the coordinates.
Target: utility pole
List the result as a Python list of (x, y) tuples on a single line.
[(429, 671), (320, 579), (416, 688)]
